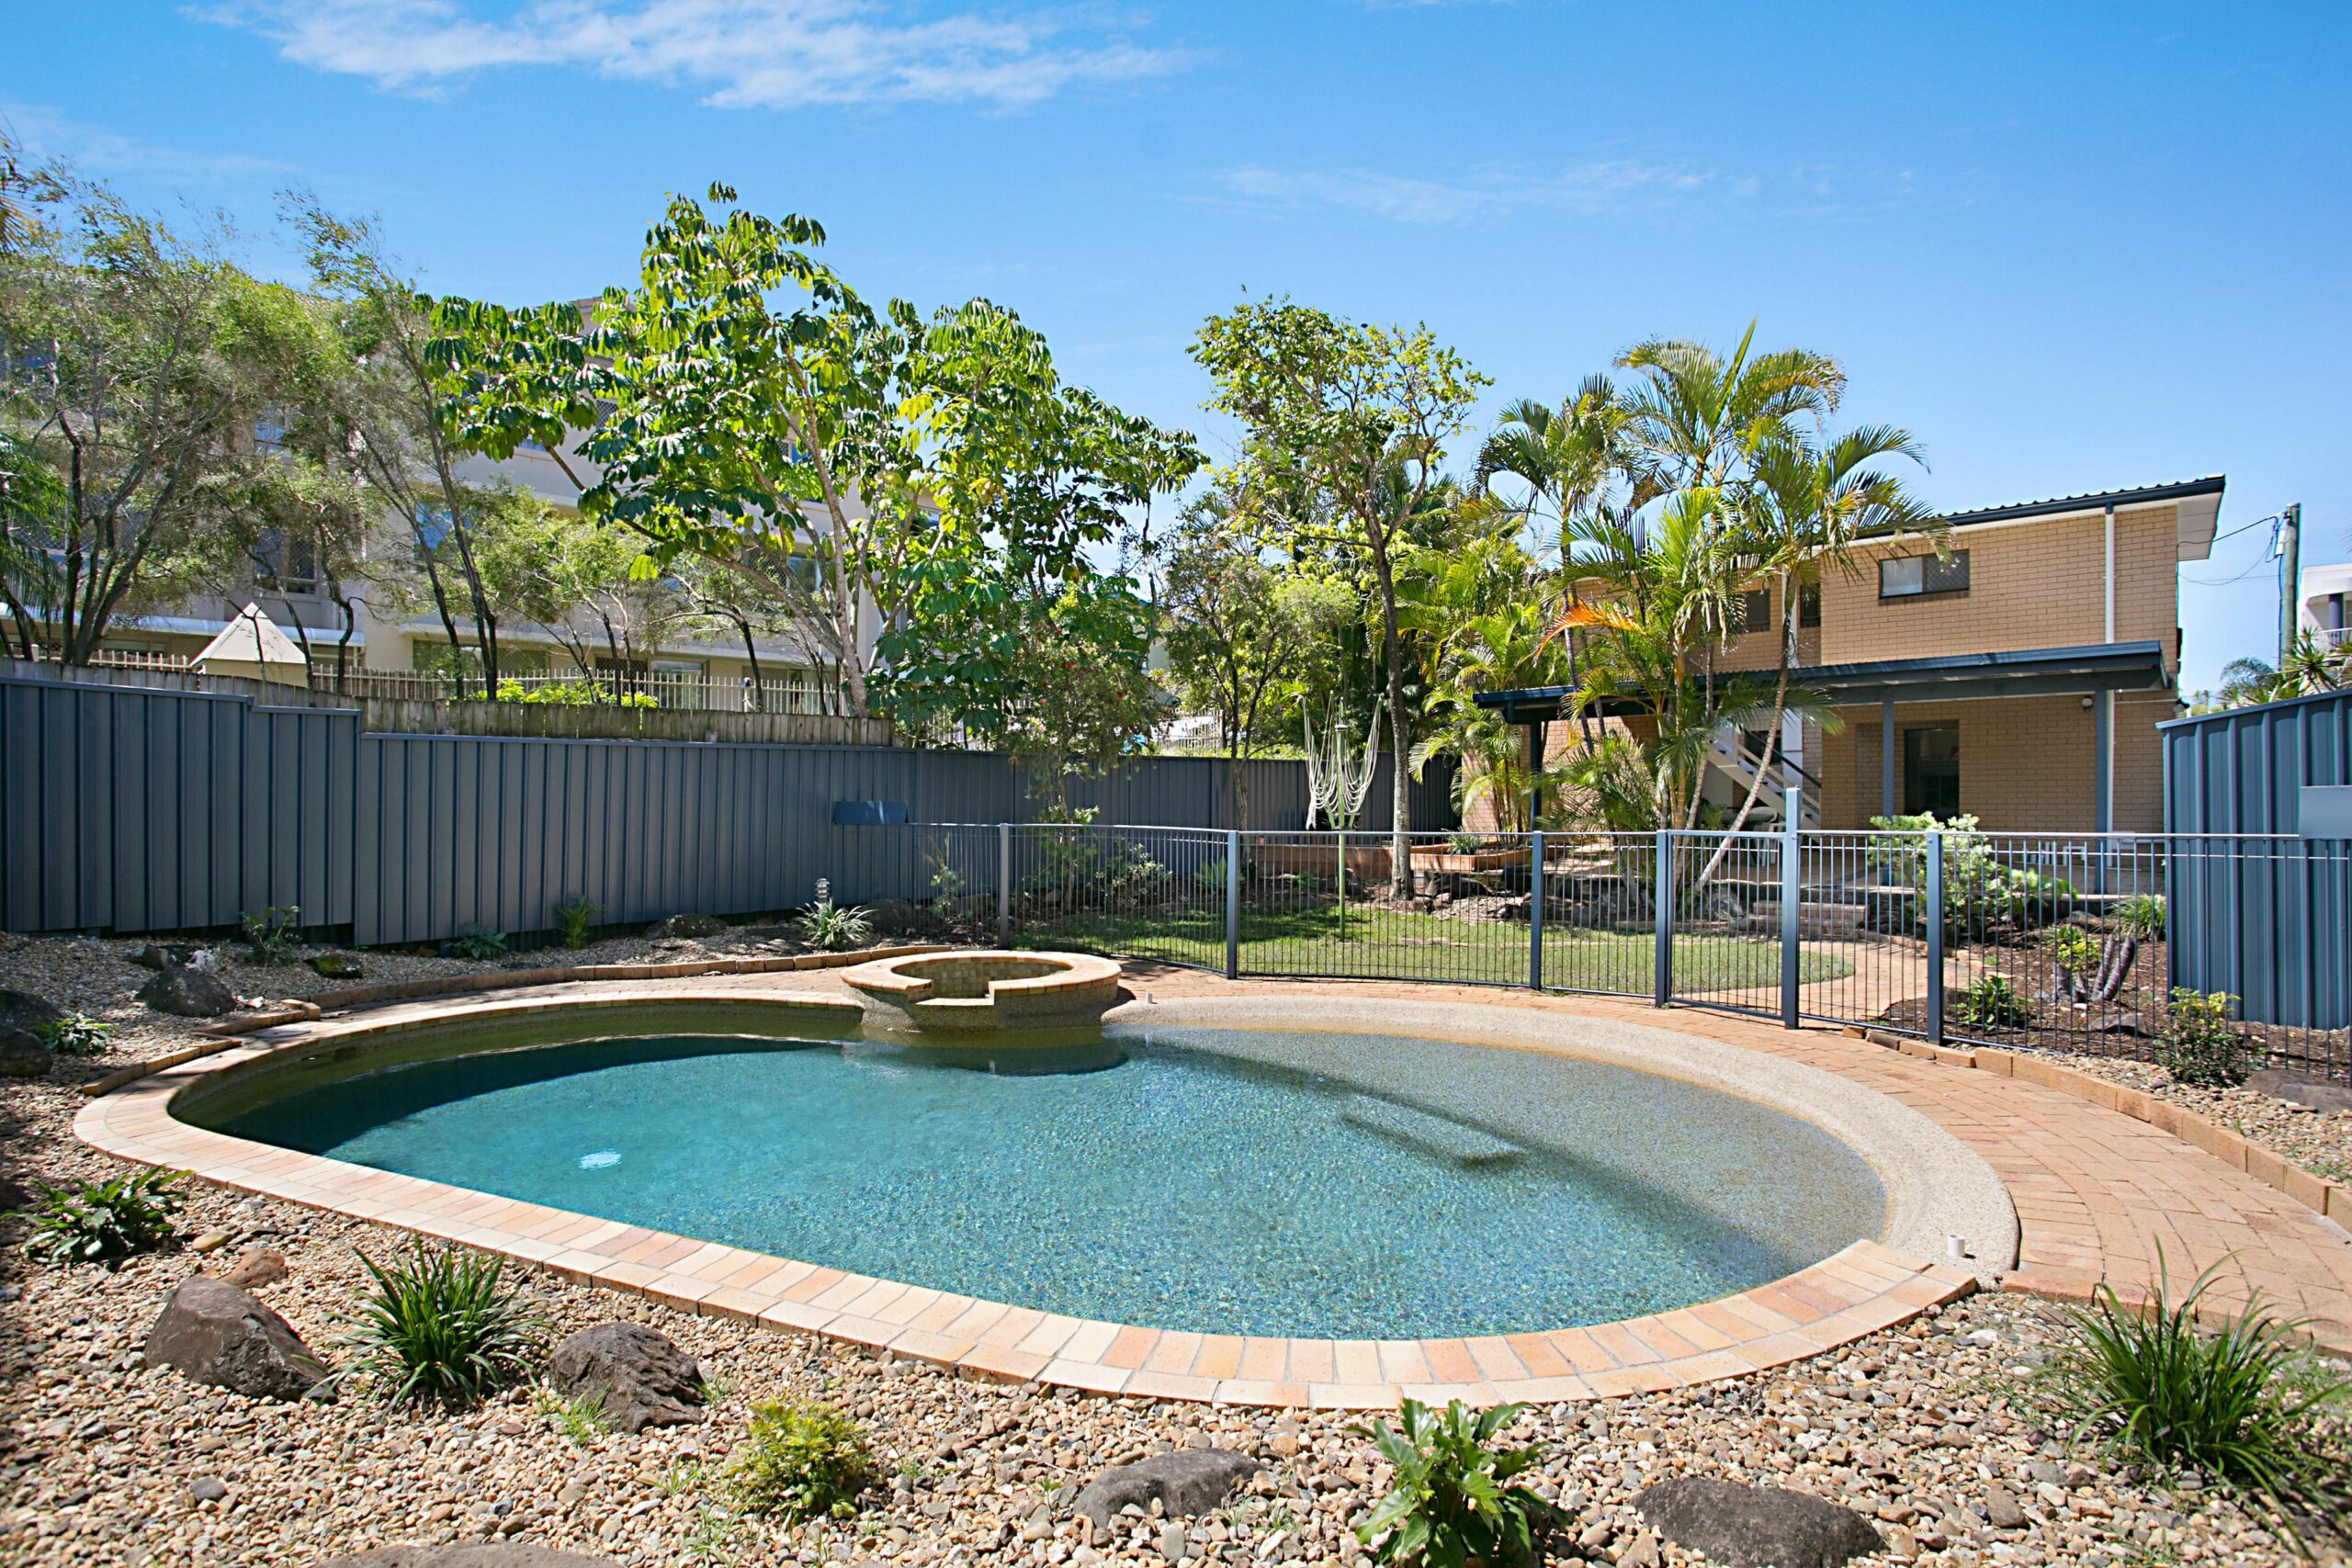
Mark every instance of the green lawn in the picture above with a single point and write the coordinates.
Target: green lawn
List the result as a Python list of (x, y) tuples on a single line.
[(1399, 945)]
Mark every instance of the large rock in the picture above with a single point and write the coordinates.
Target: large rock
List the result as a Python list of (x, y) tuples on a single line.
[(1188, 1482), (468, 1554), (1757, 1526), (22, 1009), (189, 993), (218, 1334), (636, 1377), (22, 1056), (695, 926), (2328, 1098)]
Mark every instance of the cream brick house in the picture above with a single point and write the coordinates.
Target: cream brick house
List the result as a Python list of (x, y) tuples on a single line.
[(2020, 680)]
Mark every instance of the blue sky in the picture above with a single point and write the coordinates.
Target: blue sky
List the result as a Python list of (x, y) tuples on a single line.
[(2072, 247)]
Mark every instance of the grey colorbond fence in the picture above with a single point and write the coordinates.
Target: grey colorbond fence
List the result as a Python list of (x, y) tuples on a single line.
[(2274, 930), (134, 810)]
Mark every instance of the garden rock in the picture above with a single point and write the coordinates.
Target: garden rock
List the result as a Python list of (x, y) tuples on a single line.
[(256, 1267), (1188, 1482), (693, 926), (2314, 1093), (22, 1009), (468, 1554), (164, 956), (188, 993), (21, 1055), (217, 1333), (636, 1377), (1757, 1526), (337, 966)]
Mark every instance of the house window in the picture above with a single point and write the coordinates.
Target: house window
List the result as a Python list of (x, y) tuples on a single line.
[(1918, 576), (1809, 604), (1755, 610), (269, 431), (1931, 770)]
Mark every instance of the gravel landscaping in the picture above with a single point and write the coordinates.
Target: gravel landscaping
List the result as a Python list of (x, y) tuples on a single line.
[(104, 1459)]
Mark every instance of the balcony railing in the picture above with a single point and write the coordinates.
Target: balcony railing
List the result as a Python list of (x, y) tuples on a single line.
[(684, 691)]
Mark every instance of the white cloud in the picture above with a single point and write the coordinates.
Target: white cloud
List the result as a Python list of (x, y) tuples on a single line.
[(1601, 186), (46, 133), (738, 53)]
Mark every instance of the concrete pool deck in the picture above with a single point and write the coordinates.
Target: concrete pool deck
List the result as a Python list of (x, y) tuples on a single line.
[(2096, 1194)]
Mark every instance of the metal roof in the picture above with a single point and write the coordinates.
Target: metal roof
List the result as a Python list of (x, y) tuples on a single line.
[(2200, 510), (2011, 672)]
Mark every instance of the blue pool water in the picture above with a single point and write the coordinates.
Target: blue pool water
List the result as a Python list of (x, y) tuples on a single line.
[(1187, 1178)]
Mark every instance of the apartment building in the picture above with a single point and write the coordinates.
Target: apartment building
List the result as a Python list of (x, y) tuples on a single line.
[(395, 652), (2324, 604), (2019, 679)]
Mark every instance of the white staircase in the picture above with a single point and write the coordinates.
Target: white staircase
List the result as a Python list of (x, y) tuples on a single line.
[(1730, 755)]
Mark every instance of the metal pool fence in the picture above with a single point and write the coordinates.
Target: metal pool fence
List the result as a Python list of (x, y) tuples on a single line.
[(2108, 945)]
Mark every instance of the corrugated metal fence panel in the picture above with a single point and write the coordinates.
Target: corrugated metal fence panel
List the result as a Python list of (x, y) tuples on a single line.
[(135, 808), (2269, 922), (131, 809)]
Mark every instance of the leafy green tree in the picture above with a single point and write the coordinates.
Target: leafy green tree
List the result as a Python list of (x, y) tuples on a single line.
[(1360, 413), (1246, 635), (137, 360), (839, 457), (387, 420)]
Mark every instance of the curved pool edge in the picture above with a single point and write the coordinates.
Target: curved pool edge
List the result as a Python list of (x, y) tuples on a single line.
[(1937, 1186), (1859, 1291)]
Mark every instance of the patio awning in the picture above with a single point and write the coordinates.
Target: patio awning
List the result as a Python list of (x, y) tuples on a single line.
[(2015, 673)]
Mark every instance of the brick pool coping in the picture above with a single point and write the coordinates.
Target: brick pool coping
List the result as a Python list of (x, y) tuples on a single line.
[(1859, 1291)]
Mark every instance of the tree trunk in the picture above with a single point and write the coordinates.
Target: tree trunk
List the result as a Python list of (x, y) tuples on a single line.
[(1400, 823), (1772, 738)]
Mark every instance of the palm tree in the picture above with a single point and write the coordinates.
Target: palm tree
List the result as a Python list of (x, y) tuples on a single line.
[(1809, 506), (1697, 419), (2308, 669)]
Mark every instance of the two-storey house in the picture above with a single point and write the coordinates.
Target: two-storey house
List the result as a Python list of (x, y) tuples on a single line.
[(2018, 678)]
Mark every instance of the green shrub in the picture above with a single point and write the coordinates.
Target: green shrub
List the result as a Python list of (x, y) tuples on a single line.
[(2243, 1405), (475, 941), (576, 916), (2027, 898), (1993, 1002), (574, 695), (102, 1222), (802, 1462), (1450, 1501), (2073, 949), (441, 1326), (1467, 843), (2141, 916), (271, 933), (2198, 1046), (76, 1034), (829, 928)]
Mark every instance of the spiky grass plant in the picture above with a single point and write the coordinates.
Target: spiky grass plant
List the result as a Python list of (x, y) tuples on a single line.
[(830, 928), (441, 1325), (2246, 1405)]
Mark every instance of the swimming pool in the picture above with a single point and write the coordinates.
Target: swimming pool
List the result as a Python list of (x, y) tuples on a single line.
[(1258, 1181)]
